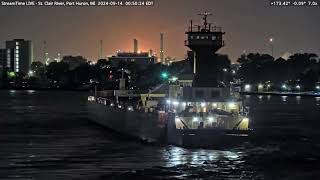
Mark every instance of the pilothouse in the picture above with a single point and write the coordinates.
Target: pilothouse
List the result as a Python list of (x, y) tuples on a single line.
[(196, 110)]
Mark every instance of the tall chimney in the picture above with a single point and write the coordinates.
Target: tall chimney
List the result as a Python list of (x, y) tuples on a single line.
[(135, 45), (101, 50), (161, 48), (150, 53)]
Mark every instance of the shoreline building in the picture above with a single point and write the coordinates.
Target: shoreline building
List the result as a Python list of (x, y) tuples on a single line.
[(19, 55), (3, 58), (142, 59)]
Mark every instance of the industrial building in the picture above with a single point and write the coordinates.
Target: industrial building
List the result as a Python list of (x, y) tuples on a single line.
[(142, 59)]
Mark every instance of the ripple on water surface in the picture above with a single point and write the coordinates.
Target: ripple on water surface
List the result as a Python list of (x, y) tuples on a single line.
[(48, 135)]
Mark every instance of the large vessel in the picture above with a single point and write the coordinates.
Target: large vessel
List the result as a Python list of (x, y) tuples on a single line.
[(191, 111)]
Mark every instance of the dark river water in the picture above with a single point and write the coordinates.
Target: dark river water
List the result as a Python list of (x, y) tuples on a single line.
[(49, 135)]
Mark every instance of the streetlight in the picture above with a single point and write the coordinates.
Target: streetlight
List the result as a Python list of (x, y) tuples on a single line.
[(260, 87), (30, 73), (284, 87), (268, 86), (271, 44)]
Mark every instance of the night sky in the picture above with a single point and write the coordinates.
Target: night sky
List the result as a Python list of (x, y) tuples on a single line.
[(77, 30)]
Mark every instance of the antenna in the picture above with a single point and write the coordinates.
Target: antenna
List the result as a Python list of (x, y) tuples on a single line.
[(204, 17)]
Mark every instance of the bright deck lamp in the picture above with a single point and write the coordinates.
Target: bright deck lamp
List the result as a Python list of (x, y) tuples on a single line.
[(210, 119), (175, 103), (195, 119)]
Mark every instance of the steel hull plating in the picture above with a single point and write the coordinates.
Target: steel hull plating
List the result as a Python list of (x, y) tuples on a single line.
[(146, 127), (139, 125)]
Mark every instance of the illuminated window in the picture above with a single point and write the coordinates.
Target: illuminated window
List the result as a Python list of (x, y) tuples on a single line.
[(17, 43), (8, 61)]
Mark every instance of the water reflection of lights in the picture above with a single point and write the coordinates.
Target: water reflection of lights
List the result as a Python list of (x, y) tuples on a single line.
[(269, 97), (31, 91), (177, 156), (260, 97), (230, 155), (318, 100), (298, 98), (284, 98)]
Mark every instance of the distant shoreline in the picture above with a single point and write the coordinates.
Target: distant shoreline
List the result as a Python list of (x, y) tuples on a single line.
[(46, 89), (310, 94)]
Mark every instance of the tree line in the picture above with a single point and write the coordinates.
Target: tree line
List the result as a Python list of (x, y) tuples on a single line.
[(301, 69), (76, 72)]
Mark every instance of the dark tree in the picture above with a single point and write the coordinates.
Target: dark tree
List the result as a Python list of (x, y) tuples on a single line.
[(74, 61)]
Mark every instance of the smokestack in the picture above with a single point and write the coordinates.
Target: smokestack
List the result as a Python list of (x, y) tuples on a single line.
[(135, 45), (101, 50), (161, 48), (150, 53)]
